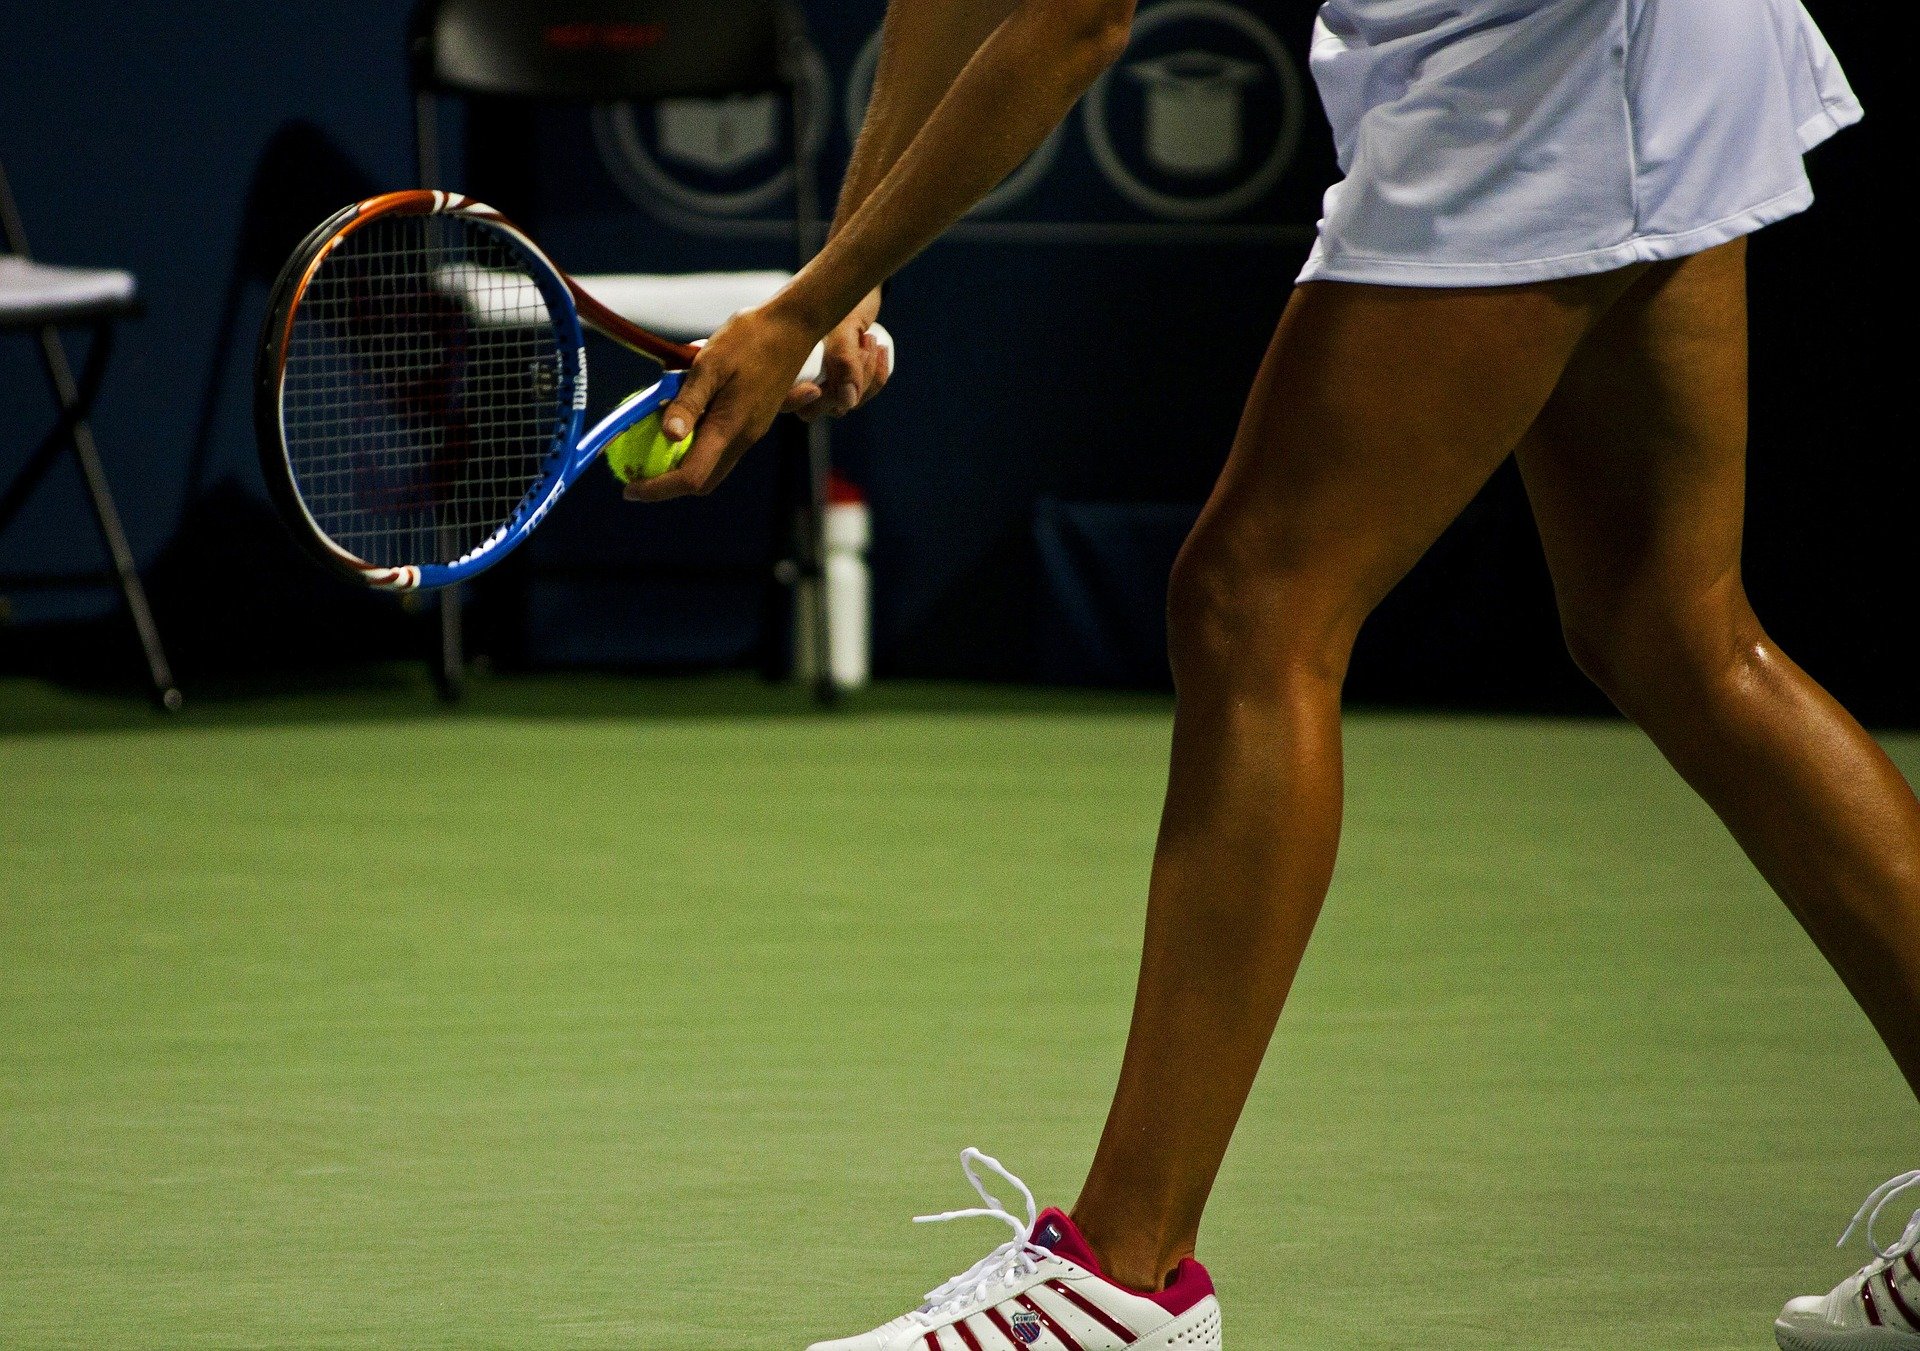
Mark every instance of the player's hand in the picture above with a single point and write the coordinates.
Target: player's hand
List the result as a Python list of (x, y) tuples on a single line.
[(855, 369), (740, 381), (746, 375)]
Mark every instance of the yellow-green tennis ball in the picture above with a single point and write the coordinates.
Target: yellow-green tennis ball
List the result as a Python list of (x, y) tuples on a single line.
[(643, 451)]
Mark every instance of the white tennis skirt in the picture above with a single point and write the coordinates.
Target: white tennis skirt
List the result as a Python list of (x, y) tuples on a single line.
[(1489, 142)]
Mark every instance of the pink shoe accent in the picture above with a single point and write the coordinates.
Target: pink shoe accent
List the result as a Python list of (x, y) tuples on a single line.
[(1191, 1284), (1056, 1232)]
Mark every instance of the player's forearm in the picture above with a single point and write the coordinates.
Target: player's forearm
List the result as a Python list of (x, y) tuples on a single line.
[(924, 45), (1007, 98)]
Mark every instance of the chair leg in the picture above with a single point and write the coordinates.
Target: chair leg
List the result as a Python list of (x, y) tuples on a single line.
[(60, 437), (809, 235), (15, 495), (449, 672), (813, 559), (75, 401)]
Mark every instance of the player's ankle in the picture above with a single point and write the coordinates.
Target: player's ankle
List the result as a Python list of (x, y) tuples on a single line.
[(1136, 1263)]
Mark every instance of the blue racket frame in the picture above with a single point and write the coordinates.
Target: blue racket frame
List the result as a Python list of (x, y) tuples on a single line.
[(570, 462), (571, 310), (569, 454)]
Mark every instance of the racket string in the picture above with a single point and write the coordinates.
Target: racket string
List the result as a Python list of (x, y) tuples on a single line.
[(424, 393)]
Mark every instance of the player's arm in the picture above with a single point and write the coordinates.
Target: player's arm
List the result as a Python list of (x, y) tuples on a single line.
[(909, 182), (924, 45), (1006, 98)]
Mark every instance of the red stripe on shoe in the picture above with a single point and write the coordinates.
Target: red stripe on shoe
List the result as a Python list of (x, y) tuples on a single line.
[(1900, 1302), (1866, 1302), (993, 1316), (966, 1335), (1093, 1311), (933, 1341), (1046, 1319)]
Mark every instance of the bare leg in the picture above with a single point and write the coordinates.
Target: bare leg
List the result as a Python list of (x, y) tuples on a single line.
[(1377, 415), (1637, 475)]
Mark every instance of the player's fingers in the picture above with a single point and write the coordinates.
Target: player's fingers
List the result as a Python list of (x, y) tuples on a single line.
[(660, 488), (801, 398), (843, 372), (714, 451), (685, 479), (687, 407), (880, 367), (871, 365), (707, 462), (665, 487)]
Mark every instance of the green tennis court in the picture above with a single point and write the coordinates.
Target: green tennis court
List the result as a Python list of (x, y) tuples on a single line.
[(605, 1013)]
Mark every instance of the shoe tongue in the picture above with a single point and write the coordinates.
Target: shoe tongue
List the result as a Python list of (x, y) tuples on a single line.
[(1056, 1232)]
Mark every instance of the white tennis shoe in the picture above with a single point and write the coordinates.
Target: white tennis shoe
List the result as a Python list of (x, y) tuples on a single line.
[(1044, 1290), (1875, 1309)]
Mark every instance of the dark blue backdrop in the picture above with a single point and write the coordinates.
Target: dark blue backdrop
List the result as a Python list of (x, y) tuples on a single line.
[(130, 132), (1043, 346), (1060, 324)]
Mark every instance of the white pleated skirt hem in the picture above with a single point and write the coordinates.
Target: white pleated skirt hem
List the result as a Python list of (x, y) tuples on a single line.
[(1835, 116), (1641, 249), (1507, 142)]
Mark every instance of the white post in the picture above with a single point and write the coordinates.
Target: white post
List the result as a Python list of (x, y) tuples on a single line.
[(849, 585)]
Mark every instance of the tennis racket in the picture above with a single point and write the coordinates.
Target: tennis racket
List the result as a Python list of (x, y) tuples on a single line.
[(421, 389)]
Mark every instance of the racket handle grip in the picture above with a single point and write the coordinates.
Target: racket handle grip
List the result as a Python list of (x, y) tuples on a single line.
[(817, 358)]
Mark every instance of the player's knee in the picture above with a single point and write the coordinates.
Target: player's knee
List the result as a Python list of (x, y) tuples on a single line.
[(1236, 616), (1594, 649), (1200, 614), (1641, 649)]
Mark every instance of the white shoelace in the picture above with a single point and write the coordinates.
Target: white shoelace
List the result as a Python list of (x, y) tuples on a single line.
[(1006, 1264), (1870, 1211)]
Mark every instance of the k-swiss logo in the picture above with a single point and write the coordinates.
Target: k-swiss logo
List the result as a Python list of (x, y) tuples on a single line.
[(1027, 1327)]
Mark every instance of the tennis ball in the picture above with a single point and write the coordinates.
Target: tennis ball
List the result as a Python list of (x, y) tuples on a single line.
[(643, 451)]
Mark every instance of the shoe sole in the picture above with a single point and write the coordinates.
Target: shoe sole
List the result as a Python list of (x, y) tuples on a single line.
[(1792, 1338)]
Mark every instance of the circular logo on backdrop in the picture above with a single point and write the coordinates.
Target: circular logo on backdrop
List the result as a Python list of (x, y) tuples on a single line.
[(716, 158), (1016, 184), (1202, 115)]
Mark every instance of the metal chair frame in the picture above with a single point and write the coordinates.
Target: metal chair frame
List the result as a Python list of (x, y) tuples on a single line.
[(802, 570), (73, 432)]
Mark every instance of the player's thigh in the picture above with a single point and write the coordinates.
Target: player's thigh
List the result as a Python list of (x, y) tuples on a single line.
[(1636, 467), (1377, 414)]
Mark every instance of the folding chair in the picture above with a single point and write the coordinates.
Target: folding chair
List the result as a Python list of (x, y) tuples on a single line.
[(640, 51), (43, 299)]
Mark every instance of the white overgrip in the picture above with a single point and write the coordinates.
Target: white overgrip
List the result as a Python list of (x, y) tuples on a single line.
[(817, 358)]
